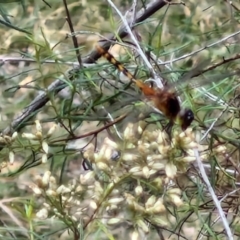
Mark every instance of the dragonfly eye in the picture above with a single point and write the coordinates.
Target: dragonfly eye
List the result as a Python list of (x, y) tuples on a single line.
[(186, 117)]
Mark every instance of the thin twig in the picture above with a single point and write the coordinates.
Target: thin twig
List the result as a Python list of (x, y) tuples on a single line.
[(200, 49), (143, 14), (21, 59), (75, 43), (94, 132), (128, 29), (214, 197)]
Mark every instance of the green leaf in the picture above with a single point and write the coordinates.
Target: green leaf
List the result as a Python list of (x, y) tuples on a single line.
[(14, 27)]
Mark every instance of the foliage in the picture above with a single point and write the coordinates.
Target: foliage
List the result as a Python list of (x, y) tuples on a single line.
[(83, 153)]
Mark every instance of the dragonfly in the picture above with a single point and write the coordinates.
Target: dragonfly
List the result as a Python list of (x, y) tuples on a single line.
[(164, 99)]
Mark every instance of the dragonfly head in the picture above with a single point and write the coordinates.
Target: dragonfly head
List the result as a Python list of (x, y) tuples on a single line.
[(186, 117)]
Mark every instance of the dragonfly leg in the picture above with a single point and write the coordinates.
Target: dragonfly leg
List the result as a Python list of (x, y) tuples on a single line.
[(168, 129)]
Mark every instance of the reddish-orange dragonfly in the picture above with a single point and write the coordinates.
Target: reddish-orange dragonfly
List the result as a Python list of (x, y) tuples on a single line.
[(165, 99)]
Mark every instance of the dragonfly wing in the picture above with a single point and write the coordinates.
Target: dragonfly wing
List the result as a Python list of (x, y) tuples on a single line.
[(196, 71)]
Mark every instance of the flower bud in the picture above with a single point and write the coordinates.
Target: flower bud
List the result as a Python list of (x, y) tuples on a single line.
[(134, 235), (45, 147), (11, 157), (138, 190), (44, 158), (14, 135), (150, 202), (171, 170), (51, 130), (93, 205), (29, 136), (146, 172), (176, 200), (116, 200), (38, 126), (37, 191), (88, 178), (114, 221), (143, 225), (46, 178), (42, 214), (38, 135)]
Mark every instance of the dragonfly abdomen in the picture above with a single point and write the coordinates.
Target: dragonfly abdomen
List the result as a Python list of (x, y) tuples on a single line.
[(164, 100)]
